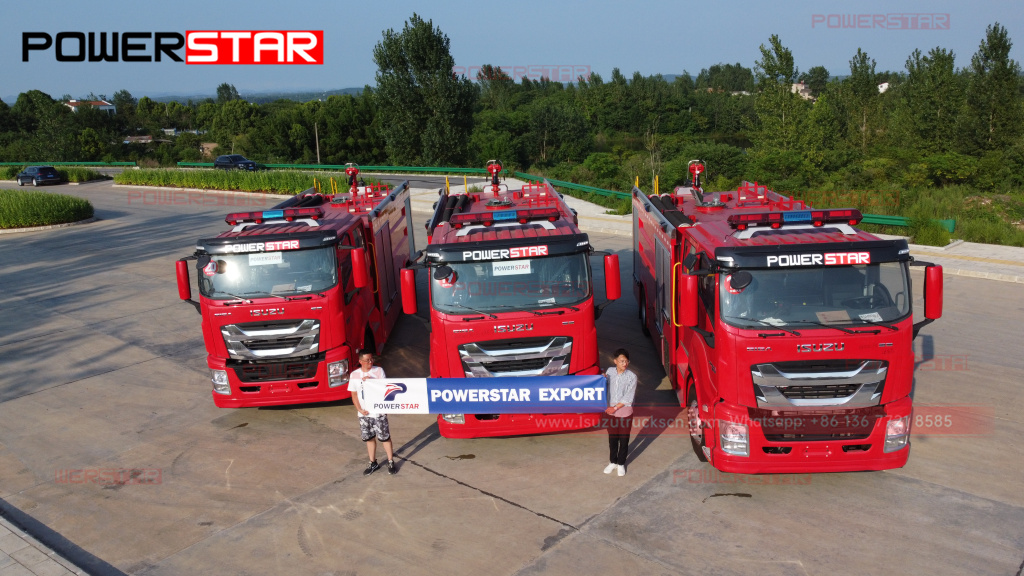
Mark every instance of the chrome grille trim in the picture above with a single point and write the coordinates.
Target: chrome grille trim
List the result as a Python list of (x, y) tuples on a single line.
[(476, 356), (238, 337), (770, 384)]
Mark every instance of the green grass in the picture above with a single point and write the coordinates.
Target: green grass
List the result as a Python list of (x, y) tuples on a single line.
[(277, 181), (20, 209), (78, 174)]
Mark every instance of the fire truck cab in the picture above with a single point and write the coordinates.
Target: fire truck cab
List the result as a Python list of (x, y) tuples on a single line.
[(289, 295), (510, 294), (785, 331)]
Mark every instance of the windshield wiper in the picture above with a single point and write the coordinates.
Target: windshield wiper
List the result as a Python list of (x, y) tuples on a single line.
[(762, 322), (285, 298), (847, 330), (877, 323), (475, 310), (236, 297)]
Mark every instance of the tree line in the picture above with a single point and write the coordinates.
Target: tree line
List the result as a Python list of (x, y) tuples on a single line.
[(937, 122)]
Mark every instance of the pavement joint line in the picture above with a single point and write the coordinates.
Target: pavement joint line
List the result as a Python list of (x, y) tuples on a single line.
[(971, 258), (56, 332), (84, 378), (490, 494)]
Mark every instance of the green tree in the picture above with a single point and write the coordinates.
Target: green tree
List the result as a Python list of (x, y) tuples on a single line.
[(226, 93), (425, 112), (862, 92), (991, 117), (928, 102)]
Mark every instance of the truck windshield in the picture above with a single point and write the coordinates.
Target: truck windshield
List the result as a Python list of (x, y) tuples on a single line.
[(811, 297), (500, 286), (284, 273)]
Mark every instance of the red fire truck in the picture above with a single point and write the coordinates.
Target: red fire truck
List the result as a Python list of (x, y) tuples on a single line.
[(289, 295), (786, 332), (510, 295)]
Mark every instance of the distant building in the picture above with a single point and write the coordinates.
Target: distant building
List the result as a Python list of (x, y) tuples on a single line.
[(138, 140), (101, 104), (801, 90)]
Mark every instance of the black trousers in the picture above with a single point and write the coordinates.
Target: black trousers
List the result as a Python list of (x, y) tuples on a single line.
[(618, 438)]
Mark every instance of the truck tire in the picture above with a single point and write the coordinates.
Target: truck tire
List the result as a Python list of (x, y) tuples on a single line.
[(20, 182), (35, 182), (694, 422), (643, 314)]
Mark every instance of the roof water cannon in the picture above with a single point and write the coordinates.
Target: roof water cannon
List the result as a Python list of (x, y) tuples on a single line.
[(494, 167), (696, 167), (352, 170)]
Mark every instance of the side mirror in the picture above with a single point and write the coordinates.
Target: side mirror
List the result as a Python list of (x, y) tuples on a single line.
[(687, 300), (409, 291), (360, 278), (612, 279), (184, 284), (933, 292)]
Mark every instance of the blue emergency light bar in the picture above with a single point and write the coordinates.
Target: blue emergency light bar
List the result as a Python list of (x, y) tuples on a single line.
[(503, 215), (288, 214), (777, 219)]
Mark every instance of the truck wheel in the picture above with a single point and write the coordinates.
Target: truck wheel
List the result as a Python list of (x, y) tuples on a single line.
[(694, 422), (20, 182), (35, 182), (643, 317)]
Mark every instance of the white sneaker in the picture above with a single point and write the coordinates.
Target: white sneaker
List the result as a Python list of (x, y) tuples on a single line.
[(608, 469), (622, 470)]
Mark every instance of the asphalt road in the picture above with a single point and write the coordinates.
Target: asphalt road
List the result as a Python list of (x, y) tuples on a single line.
[(102, 367)]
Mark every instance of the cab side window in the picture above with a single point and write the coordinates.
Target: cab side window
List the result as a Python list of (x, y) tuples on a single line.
[(707, 286), (345, 267)]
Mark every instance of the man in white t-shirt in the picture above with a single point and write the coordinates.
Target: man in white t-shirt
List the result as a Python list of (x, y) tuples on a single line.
[(371, 424)]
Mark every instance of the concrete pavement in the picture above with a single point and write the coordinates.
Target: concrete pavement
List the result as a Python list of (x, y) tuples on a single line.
[(280, 490)]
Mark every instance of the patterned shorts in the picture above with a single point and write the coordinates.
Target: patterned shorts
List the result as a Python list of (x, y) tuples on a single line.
[(371, 426)]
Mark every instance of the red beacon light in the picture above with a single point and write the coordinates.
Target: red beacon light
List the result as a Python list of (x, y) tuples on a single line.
[(775, 220)]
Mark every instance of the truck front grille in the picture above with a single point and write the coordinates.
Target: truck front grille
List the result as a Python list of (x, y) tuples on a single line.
[(546, 356), (274, 339), (819, 384), (253, 371)]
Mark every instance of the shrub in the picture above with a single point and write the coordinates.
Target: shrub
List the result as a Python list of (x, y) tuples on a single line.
[(20, 209)]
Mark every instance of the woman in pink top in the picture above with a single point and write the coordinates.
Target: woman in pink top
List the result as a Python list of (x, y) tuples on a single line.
[(618, 419)]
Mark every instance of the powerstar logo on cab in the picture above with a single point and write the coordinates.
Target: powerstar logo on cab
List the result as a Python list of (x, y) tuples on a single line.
[(831, 259), (505, 253), (200, 46), (262, 246)]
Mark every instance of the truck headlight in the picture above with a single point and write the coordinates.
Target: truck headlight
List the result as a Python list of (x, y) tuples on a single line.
[(220, 382), (337, 373), (733, 438), (454, 418), (897, 434)]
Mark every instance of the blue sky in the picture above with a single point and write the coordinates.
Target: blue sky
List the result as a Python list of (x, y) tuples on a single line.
[(659, 36)]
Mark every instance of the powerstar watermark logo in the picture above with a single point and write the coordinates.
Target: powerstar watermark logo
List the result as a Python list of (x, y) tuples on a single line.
[(200, 46), (393, 390)]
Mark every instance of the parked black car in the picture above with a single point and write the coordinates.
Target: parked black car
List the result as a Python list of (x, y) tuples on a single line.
[(38, 175), (235, 162)]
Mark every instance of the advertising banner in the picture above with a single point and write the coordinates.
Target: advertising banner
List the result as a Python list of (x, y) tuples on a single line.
[(512, 395)]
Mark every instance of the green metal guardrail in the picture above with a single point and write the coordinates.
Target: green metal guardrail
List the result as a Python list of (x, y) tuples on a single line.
[(401, 169), (949, 225), (69, 163)]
